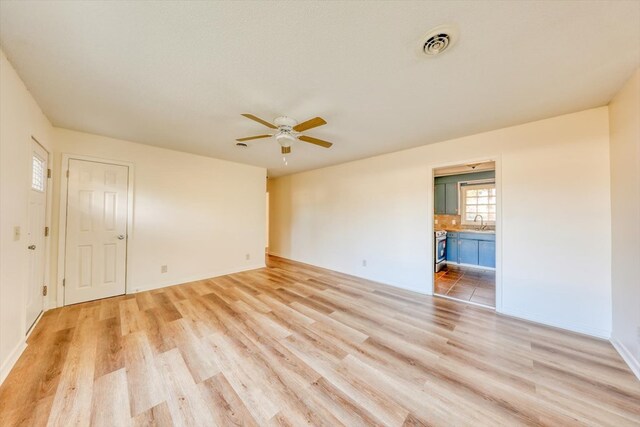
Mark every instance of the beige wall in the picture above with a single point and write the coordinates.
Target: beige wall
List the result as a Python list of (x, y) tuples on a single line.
[(20, 118), (554, 237), (624, 125), (197, 215)]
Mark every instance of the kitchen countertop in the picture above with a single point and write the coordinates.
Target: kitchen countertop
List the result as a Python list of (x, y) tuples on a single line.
[(467, 230)]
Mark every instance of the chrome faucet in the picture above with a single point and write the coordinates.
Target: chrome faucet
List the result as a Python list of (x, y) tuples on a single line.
[(481, 221)]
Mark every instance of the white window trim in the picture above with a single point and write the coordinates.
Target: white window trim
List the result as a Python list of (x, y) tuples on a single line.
[(463, 200)]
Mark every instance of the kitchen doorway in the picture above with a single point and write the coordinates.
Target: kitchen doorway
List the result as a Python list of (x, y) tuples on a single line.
[(464, 222)]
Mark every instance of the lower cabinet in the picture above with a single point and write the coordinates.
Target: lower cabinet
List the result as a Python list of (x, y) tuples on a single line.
[(452, 249), (487, 253), (471, 249), (468, 251)]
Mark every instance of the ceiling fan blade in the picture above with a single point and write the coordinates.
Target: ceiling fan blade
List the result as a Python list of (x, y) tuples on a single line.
[(310, 124), (253, 137), (259, 120), (316, 141)]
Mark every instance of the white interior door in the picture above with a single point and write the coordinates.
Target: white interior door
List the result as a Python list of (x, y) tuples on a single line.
[(96, 243), (36, 231)]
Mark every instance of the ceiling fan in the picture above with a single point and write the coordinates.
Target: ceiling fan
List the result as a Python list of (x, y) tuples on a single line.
[(289, 130)]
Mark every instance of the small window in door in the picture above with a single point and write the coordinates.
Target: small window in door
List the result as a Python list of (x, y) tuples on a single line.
[(37, 176)]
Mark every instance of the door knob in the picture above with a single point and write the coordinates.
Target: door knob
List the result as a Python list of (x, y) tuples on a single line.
[(32, 247), (121, 237)]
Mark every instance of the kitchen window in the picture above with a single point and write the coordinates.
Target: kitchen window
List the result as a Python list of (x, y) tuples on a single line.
[(478, 199)]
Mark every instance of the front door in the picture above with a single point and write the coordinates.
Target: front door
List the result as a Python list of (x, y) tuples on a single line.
[(96, 243), (36, 231)]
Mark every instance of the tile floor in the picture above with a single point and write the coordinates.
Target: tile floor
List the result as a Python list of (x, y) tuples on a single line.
[(467, 284)]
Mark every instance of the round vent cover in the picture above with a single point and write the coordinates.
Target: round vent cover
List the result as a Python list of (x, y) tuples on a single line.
[(438, 40), (436, 44)]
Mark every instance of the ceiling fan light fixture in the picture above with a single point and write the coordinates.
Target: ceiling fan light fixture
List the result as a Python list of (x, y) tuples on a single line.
[(285, 139), (289, 130)]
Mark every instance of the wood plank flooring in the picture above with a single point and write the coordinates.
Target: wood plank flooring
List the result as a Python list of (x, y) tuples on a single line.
[(296, 345)]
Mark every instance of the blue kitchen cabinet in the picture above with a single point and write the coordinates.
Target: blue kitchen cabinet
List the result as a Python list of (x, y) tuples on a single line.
[(468, 251), (440, 199), (451, 198), (446, 190), (446, 198), (452, 248), (487, 253)]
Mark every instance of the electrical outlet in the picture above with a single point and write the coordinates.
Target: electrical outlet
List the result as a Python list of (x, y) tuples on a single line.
[(163, 269), (454, 222), (16, 232), (364, 262), (435, 221), (247, 257)]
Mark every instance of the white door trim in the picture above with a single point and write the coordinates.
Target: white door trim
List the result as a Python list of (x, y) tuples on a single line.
[(430, 226), (62, 226)]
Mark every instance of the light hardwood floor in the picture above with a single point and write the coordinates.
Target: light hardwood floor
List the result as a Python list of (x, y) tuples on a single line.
[(296, 345)]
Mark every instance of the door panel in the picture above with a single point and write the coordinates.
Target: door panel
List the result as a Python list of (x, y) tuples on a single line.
[(452, 250), (451, 198), (97, 205), (487, 253), (439, 200), (468, 251), (35, 232)]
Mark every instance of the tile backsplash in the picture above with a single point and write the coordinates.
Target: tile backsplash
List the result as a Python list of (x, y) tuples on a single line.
[(446, 221)]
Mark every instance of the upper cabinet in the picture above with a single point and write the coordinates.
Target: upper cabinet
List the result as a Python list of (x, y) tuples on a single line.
[(440, 199), (446, 201), (451, 198)]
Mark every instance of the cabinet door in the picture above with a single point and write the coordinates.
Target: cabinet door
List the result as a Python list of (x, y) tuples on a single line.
[(468, 251), (451, 198), (487, 253), (452, 250), (440, 204)]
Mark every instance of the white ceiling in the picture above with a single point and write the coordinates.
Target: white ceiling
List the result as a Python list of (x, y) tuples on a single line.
[(179, 74)]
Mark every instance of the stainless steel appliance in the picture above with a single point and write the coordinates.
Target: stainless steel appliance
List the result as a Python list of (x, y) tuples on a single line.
[(440, 249)]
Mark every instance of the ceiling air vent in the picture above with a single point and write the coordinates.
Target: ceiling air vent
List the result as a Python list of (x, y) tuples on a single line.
[(438, 40)]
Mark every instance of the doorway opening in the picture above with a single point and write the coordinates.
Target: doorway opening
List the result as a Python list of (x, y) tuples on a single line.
[(465, 215)]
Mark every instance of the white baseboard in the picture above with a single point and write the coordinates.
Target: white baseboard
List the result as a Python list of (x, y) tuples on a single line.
[(627, 356), (427, 292), (531, 317), (133, 289), (11, 360), (15, 354), (572, 327)]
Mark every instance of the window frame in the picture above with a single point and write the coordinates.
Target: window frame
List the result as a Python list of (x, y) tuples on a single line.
[(466, 185)]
